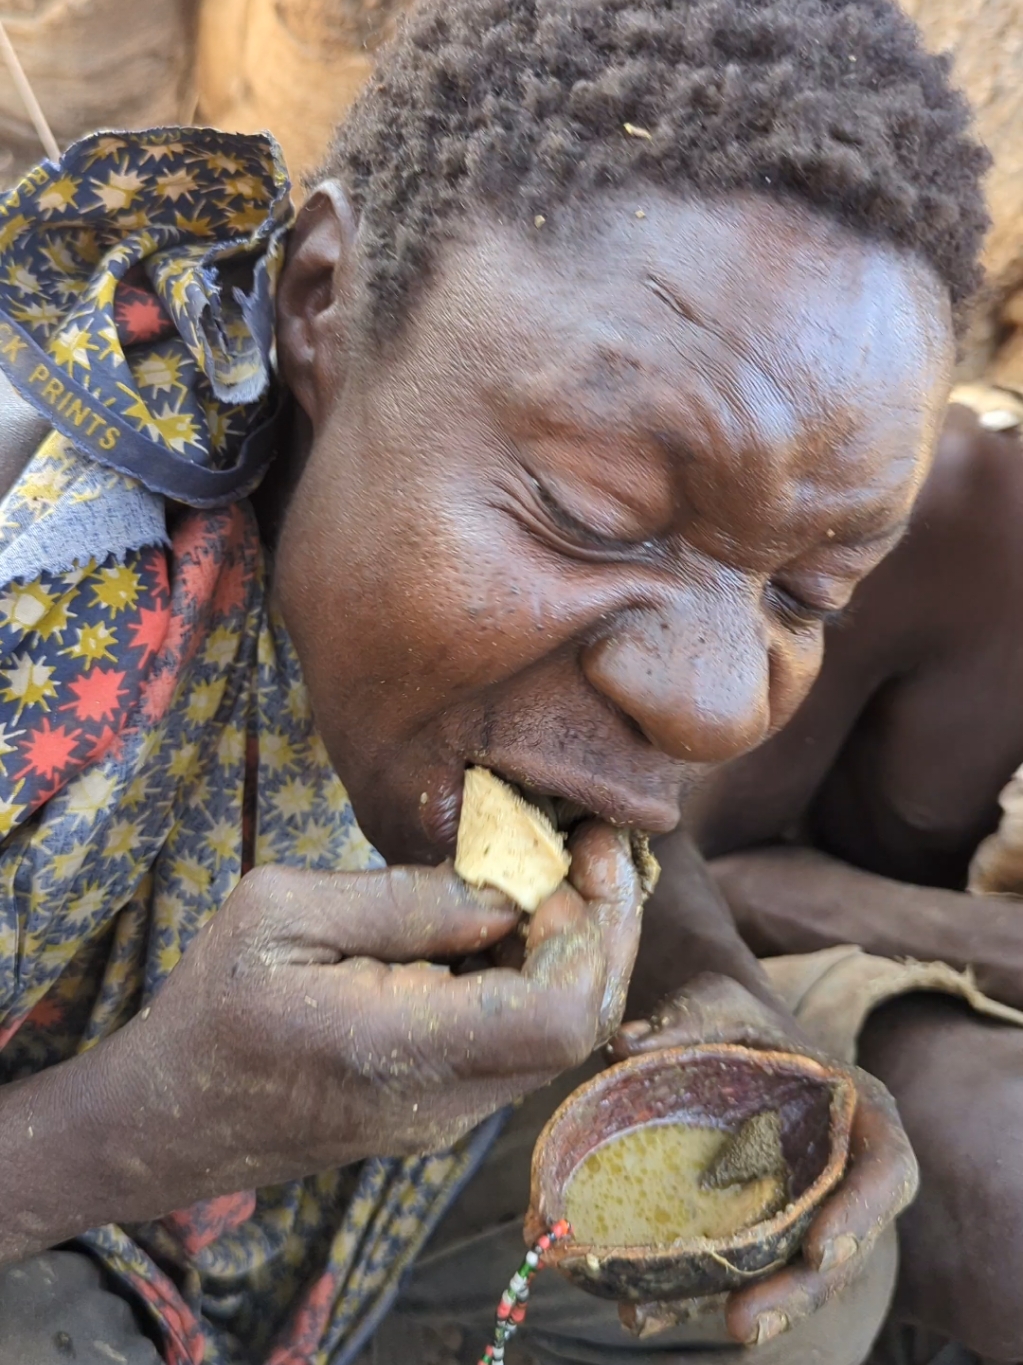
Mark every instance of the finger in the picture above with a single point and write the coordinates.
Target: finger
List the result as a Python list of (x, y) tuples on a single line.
[(757, 1315), (495, 1023), (605, 875), (397, 914), (547, 1017), (881, 1181), (603, 888), (711, 1009)]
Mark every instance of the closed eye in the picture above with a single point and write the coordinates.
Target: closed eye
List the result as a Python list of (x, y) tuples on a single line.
[(797, 613), (583, 536)]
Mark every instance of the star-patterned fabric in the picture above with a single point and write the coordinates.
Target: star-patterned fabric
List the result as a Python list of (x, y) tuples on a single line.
[(173, 238), (155, 732)]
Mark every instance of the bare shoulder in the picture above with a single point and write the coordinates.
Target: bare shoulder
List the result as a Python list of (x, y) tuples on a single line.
[(916, 785), (915, 721), (973, 500), (21, 430)]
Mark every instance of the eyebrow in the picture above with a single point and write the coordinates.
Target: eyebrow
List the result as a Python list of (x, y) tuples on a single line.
[(872, 534)]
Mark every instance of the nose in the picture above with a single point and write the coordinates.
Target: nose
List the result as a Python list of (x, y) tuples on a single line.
[(695, 680)]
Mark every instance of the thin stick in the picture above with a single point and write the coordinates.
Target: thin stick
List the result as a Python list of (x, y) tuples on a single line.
[(28, 97)]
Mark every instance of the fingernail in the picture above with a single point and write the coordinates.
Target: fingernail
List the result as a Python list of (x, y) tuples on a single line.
[(768, 1326), (839, 1250), (636, 1029), (489, 898)]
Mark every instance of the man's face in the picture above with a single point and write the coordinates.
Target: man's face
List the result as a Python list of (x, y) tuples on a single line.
[(584, 525)]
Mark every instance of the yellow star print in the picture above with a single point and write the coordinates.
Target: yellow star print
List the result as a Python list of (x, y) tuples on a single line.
[(5, 746), (105, 146), (93, 643), (25, 605), (194, 877), (58, 195), (119, 190), (22, 279), (204, 701), (223, 839), (28, 684), (180, 184), (89, 793), (160, 372), (12, 230), (117, 589), (120, 839), (177, 429), (72, 347), (39, 316), (294, 798), (10, 810)]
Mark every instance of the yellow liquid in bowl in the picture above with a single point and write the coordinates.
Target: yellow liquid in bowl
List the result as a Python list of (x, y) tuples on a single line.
[(642, 1188)]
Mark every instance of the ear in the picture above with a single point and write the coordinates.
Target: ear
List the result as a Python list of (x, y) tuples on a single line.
[(314, 298)]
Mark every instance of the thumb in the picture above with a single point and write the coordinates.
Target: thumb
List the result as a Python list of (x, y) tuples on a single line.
[(711, 1009), (394, 914)]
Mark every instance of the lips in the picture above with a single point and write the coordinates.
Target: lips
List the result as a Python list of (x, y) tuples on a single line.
[(569, 799)]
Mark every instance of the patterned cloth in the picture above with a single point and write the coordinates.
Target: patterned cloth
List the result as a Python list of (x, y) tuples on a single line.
[(136, 280), (149, 700)]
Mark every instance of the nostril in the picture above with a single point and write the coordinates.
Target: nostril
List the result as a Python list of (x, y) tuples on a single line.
[(631, 724)]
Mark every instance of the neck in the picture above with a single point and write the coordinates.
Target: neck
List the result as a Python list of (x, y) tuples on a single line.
[(271, 499)]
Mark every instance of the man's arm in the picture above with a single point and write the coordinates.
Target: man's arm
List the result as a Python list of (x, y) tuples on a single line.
[(689, 928), (798, 900), (289, 1039)]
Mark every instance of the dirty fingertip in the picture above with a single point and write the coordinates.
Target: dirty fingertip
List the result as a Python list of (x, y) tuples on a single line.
[(768, 1326), (836, 1251), (489, 898)]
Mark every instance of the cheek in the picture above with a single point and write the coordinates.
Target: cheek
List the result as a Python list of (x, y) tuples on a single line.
[(416, 615), (795, 661)]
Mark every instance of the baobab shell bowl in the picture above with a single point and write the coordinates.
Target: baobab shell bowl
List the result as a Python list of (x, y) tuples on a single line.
[(707, 1086)]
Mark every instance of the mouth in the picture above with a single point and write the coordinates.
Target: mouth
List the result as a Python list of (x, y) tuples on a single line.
[(568, 802), (502, 842), (563, 813)]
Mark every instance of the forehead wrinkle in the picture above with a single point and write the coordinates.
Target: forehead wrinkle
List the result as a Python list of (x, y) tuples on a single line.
[(739, 407), (826, 417), (692, 318), (760, 401)]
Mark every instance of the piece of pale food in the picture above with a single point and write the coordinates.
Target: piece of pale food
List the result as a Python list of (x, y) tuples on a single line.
[(506, 843)]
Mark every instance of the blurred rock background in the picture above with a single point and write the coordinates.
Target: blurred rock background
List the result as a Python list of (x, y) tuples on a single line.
[(294, 66)]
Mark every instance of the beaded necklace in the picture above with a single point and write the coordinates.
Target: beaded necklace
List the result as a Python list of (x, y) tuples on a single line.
[(511, 1311)]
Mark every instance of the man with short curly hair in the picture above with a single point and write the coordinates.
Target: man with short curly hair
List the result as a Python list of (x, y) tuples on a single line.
[(521, 108), (602, 363)]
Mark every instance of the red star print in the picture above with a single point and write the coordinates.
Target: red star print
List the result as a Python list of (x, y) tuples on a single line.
[(48, 750), (97, 695), (45, 794), (46, 1013), (149, 631), (230, 593), (193, 578), (140, 316), (155, 567)]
